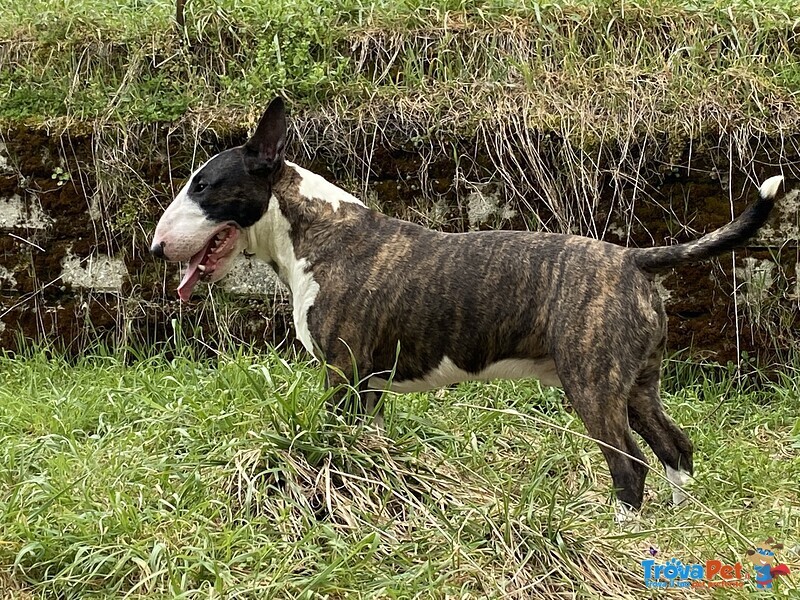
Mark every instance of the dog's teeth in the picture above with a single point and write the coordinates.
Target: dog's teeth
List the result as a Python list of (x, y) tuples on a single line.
[(201, 268)]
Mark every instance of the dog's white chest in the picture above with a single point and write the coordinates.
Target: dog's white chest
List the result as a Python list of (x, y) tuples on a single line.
[(272, 241), (447, 373), (304, 293)]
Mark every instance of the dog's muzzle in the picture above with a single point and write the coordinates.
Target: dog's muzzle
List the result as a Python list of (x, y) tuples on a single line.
[(157, 250)]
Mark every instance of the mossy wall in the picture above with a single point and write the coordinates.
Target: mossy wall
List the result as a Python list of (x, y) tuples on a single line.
[(77, 210)]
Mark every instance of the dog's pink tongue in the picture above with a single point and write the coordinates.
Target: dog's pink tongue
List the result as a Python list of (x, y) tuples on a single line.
[(191, 277)]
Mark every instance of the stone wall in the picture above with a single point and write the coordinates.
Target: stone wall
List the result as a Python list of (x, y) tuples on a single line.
[(77, 210)]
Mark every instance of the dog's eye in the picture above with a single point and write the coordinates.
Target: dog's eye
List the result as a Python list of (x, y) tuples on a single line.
[(200, 186)]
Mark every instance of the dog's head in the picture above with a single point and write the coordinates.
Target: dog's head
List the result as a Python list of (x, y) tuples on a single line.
[(205, 223)]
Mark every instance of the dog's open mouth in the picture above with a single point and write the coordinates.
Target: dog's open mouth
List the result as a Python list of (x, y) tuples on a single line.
[(217, 251)]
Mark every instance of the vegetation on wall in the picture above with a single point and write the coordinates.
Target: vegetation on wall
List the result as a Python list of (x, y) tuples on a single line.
[(676, 65)]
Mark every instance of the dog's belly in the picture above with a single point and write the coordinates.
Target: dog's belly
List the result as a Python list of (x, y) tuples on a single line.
[(448, 373)]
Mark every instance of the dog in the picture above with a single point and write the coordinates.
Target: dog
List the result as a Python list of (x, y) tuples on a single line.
[(373, 295)]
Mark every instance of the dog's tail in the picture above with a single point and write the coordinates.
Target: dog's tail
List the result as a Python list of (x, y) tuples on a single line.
[(726, 238)]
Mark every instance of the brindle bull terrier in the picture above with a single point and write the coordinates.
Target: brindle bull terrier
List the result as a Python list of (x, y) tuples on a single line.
[(574, 312)]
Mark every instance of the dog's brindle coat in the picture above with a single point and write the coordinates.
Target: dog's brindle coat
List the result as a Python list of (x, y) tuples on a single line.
[(573, 311)]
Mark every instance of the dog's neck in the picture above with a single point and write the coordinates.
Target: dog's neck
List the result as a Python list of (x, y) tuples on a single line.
[(301, 200)]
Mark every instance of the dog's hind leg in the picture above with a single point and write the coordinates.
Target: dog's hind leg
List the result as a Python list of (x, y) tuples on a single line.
[(647, 417), (602, 408)]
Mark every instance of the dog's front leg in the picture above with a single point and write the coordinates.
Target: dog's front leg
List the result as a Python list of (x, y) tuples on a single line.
[(372, 400), (350, 393)]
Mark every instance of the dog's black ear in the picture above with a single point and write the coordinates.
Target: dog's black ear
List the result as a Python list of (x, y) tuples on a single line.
[(263, 153)]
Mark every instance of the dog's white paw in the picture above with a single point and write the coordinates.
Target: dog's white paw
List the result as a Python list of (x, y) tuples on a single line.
[(679, 479), (624, 514)]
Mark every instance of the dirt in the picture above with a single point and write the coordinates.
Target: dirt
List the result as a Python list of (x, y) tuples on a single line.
[(41, 307)]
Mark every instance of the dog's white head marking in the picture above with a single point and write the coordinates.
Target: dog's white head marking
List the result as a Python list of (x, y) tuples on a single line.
[(224, 197), (315, 187)]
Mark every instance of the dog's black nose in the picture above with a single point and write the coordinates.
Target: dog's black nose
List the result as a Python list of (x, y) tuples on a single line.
[(157, 249)]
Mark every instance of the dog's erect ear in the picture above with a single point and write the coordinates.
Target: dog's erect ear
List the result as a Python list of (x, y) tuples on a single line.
[(263, 153)]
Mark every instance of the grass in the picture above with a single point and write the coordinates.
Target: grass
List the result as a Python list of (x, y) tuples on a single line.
[(227, 478)]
